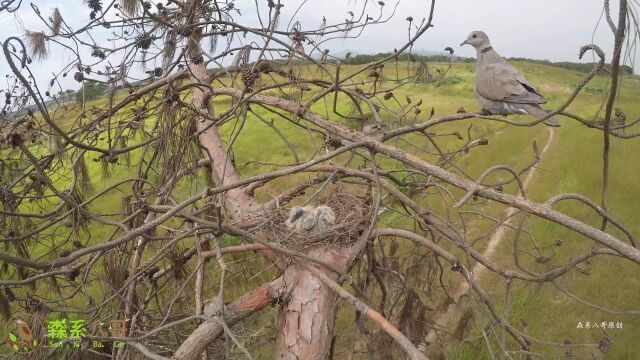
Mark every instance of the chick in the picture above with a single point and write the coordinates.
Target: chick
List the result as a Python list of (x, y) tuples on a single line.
[(301, 218), (310, 219), (325, 218)]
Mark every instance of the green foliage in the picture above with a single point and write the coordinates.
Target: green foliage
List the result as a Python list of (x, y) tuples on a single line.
[(14, 342), (448, 81), (66, 95), (594, 90), (91, 90), (230, 240), (564, 172)]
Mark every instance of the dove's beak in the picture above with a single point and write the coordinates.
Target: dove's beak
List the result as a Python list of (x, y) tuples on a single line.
[(464, 43)]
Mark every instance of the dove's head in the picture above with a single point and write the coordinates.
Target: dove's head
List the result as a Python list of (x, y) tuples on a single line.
[(478, 40)]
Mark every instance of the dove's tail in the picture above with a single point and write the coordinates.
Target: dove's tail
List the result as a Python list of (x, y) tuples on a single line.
[(540, 114)]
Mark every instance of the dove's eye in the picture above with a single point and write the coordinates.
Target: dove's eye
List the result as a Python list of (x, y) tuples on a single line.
[(475, 36)]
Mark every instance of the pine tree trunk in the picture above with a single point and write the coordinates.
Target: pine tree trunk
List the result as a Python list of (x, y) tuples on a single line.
[(308, 317)]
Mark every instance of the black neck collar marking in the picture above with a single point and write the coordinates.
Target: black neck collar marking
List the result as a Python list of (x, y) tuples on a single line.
[(486, 49)]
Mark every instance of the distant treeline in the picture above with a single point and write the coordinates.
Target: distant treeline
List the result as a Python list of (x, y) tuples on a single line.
[(581, 67), (365, 58)]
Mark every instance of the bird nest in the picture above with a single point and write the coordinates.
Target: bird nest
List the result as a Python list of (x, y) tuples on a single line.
[(351, 211)]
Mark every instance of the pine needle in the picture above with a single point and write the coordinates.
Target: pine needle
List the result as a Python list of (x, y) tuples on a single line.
[(129, 7), (56, 21), (37, 44), (169, 49)]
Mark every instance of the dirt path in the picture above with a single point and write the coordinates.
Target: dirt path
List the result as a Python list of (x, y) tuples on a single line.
[(496, 238)]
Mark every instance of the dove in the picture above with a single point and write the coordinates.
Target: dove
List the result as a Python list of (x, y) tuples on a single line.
[(499, 87)]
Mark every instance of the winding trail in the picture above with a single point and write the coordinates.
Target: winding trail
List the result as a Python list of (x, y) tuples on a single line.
[(444, 318)]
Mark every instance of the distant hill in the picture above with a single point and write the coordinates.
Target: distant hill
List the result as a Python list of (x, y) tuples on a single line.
[(60, 98), (420, 53), (581, 67)]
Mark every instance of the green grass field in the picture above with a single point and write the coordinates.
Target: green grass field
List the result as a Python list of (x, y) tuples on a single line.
[(573, 164)]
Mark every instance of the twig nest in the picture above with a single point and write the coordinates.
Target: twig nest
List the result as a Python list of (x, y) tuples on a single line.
[(340, 217)]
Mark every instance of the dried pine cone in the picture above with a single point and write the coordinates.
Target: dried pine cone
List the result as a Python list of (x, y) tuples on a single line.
[(249, 78)]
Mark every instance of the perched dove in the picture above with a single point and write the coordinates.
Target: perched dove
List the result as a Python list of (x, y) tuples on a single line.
[(499, 87)]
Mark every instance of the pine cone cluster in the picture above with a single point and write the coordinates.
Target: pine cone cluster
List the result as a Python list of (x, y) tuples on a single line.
[(249, 78)]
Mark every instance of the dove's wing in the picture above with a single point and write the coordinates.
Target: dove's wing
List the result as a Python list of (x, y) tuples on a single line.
[(503, 82)]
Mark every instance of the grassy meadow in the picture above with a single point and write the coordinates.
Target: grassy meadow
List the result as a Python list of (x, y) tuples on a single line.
[(573, 164)]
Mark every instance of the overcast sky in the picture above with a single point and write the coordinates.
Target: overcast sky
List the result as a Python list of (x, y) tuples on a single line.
[(539, 29)]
